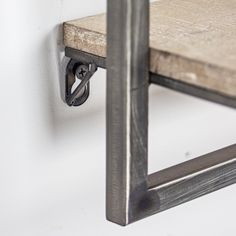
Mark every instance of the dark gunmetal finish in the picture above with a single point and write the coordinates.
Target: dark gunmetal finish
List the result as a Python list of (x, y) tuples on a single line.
[(127, 107), (129, 198), (132, 194), (85, 57), (194, 178), (84, 72), (193, 90), (164, 189)]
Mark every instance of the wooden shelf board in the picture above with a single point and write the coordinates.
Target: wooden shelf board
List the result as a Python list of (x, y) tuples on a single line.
[(192, 41)]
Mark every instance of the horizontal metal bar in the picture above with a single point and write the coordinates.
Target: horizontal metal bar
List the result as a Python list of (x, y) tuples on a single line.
[(193, 90), (187, 181), (192, 167), (156, 79), (192, 179), (85, 57)]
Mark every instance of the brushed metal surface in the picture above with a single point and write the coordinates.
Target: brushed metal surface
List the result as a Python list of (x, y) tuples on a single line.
[(127, 106), (196, 166), (161, 190), (132, 194)]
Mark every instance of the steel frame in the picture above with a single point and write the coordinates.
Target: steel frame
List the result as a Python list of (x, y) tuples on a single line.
[(164, 189), (132, 194)]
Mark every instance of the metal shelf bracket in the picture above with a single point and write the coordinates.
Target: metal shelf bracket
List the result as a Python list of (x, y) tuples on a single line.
[(82, 71)]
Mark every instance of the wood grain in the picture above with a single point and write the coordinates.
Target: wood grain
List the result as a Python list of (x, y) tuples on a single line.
[(192, 41)]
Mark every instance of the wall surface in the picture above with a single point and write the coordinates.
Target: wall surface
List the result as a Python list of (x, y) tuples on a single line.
[(52, 157)]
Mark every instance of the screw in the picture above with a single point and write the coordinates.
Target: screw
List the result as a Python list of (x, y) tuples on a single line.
[(81, 71)]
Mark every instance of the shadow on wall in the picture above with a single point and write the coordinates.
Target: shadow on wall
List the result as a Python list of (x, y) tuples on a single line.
[(60, 119)]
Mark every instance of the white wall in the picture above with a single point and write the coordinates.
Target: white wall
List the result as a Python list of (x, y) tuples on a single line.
[(52, 157)]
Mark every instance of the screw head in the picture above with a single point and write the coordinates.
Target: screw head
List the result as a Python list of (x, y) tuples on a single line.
[(81, 71)]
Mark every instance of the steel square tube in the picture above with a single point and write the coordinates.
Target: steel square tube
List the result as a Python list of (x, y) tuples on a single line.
[(127, 106), (131, 193)]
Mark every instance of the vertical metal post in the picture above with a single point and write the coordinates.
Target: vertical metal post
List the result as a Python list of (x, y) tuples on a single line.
[(127, 108)]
